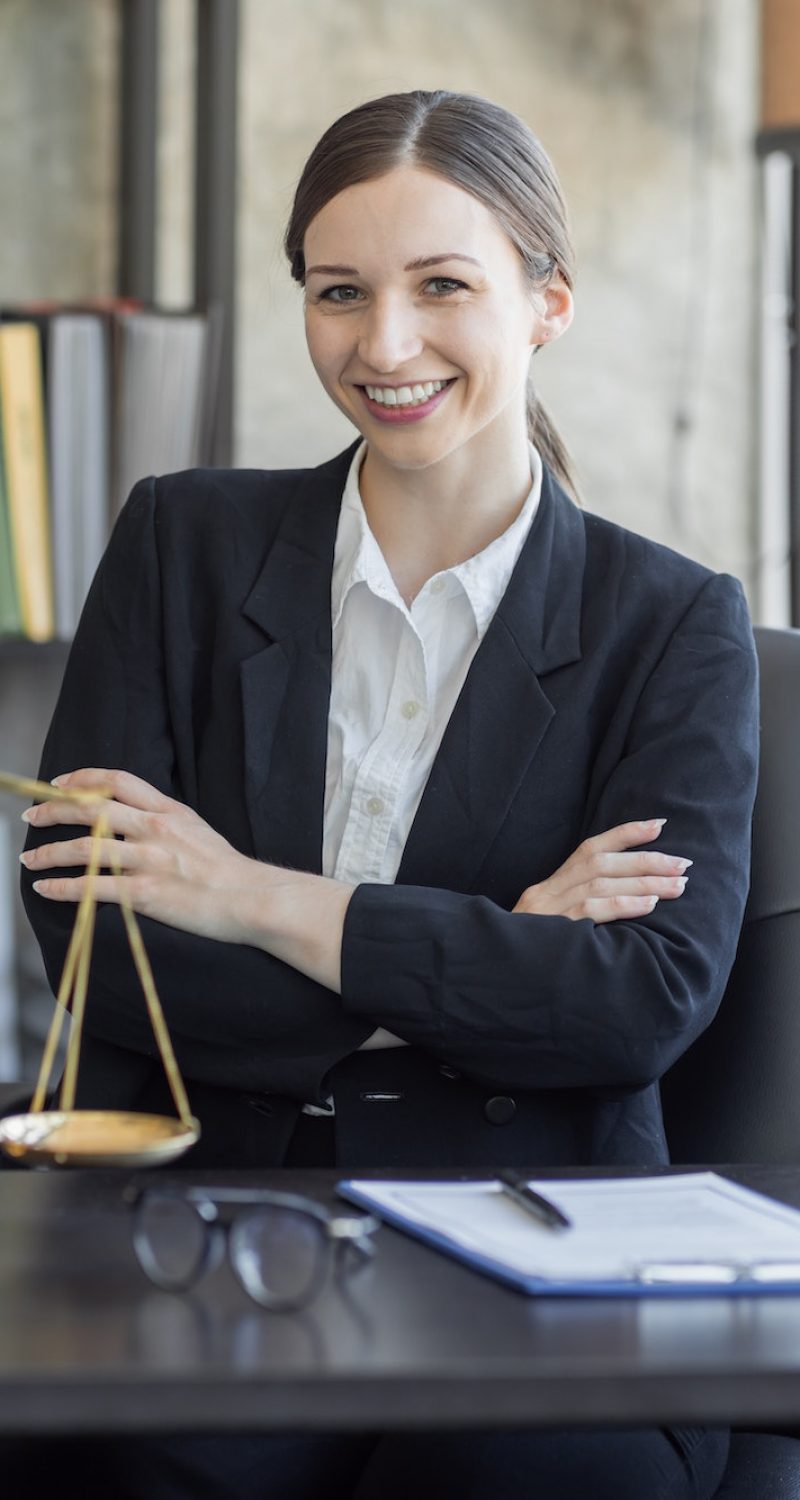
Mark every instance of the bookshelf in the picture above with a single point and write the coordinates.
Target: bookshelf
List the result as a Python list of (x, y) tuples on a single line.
[(30, 673)]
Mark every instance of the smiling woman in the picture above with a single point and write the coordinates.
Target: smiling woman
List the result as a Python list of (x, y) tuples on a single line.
[(410, 758), (393, 328)]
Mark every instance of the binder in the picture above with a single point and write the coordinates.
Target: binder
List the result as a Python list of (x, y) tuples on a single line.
[(680, 1234), (25, 464)]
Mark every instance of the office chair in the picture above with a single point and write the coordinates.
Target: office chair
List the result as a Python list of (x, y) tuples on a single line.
[(735, 1095)]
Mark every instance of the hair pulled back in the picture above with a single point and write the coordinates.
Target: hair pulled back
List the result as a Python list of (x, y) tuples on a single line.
[(476, 145)]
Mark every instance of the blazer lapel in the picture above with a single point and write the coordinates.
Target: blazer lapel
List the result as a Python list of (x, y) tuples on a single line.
[(286, 687), (503, 711)]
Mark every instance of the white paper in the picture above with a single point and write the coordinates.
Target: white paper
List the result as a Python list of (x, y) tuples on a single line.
[(684, 1228)]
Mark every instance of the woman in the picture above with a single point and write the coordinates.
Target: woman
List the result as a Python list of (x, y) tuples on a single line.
[(392, 743)]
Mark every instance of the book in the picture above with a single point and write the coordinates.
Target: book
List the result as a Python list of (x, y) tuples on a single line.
[(78, 403), (161, 401), (689, 1233), (22, 428), (10, 614), (9, 1013)]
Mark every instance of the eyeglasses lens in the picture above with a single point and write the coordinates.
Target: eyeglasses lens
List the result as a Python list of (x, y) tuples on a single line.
[(170, 1240), (279, 1254)]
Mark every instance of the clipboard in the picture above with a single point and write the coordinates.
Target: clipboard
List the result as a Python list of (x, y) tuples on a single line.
[(680, 1234)]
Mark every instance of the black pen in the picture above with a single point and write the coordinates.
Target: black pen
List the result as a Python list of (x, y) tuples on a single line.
[(534, 1203)]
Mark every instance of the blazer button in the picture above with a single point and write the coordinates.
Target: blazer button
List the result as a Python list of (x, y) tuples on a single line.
[(500, 1109)]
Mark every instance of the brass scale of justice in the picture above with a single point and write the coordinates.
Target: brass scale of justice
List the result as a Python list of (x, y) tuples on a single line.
[(66, 1136)]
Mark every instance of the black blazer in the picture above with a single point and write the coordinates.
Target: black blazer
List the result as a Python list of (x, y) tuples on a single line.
[(616, 681)]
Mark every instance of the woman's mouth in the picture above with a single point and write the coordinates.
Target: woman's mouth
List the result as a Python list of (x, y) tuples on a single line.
[(404, 403)]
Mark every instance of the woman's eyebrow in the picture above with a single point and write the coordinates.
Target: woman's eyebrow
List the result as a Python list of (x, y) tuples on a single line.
[(420, 264), (436, 260)]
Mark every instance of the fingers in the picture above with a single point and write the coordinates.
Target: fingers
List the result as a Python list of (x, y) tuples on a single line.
[(72, 889), (610, 854), (122, 785), (640, 862), (623, 836), (118, 817), (613, 909), (663, 886), (603, 901), (110, 852)]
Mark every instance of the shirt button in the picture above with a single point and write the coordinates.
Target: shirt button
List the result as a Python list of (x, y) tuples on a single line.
[(500, 1110), (437, 585), (410, 709), (375, 806)]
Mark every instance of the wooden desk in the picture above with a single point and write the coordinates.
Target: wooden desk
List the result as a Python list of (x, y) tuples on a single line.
[(414, 1341)]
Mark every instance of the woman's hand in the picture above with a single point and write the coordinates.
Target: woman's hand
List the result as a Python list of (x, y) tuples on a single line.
[(608, 878), (175, 867), (178, 871)]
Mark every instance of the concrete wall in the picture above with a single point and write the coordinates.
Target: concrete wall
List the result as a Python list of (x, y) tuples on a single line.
[(58, 147), (648, 111)]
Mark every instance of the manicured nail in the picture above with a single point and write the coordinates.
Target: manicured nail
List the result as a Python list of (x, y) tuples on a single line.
[(654, 823), (26, 816), (37, 886), (24, 858), (57, 780), (685, 864)]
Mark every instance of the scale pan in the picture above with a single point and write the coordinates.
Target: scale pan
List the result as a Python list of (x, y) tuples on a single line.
[(95, 1138)]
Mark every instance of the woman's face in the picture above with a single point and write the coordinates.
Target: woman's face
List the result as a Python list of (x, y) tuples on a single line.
[(418, 318)]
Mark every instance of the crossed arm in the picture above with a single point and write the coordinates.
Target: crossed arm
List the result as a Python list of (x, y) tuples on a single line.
[(180, 872)]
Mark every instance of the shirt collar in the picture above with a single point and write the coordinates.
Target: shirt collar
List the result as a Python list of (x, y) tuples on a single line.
[(357, 557), (483, 578)]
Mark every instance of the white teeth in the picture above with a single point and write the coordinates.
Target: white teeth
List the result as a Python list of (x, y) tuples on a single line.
[(404, 395)]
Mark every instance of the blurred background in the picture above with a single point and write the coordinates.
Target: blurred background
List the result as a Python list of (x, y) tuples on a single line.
[(149, 149)]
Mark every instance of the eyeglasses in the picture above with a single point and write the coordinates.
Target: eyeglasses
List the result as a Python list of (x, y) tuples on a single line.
[(281, 1247)]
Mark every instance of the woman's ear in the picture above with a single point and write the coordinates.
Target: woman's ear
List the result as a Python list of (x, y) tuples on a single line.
[(554, 309)]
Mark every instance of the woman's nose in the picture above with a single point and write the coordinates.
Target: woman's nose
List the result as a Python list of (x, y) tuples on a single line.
[(389, 337)]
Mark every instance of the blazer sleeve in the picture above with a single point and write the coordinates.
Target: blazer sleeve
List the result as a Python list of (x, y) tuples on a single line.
[(531, 1001), (239, 1018)]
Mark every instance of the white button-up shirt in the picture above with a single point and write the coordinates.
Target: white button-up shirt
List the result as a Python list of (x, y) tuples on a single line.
[(397, 672)]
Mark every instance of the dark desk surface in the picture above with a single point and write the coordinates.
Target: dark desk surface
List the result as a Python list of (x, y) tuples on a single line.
[(86, 1344)]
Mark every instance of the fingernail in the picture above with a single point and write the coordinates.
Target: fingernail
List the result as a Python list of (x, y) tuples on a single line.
[(26, 816), (655, 823), (685, 864), (57, 780), (37, 886), (24, 858), (652, 904)]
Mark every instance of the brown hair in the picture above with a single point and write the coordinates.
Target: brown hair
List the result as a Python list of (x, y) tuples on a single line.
[(478, 146)]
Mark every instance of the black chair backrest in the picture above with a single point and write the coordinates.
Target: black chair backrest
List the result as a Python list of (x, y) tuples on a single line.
[(735, 1094)]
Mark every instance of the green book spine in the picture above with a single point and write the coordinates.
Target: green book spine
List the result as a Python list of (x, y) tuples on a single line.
[(10, 615)]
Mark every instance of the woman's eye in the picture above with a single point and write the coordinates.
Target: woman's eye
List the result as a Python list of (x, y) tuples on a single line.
[(442, 286), (339, 294)]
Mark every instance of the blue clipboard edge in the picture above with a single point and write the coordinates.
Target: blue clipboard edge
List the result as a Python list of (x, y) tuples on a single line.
[(533, 1286)]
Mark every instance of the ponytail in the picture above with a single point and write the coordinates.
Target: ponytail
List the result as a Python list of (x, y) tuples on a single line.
[(545, 437)]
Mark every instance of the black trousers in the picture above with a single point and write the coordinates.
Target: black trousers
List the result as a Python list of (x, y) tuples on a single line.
[(639, 1464)]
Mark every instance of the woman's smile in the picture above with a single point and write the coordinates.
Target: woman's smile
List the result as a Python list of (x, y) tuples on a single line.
[(405, 403)]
